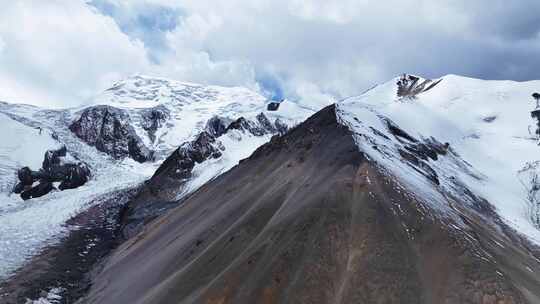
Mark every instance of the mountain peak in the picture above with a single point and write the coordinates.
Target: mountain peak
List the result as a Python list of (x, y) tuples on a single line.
[(487, 124), (312, 204), (140, 91)]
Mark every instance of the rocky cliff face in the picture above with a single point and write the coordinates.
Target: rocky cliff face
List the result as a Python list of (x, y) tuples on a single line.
[(159, 193), (109, 130), (180, 164), (207, 145), (154, 119)]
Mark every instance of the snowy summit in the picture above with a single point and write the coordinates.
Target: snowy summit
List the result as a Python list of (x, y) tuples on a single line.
[(198, 184), (488, 126)]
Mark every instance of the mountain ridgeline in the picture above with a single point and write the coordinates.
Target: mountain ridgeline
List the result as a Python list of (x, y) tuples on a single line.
[(160, 192), (416, 191), (311, 218)]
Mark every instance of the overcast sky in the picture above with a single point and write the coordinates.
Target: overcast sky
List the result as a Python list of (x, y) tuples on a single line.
[(61, 52)]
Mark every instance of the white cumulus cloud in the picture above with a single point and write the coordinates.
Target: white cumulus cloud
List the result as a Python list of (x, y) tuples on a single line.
[(63, 52)]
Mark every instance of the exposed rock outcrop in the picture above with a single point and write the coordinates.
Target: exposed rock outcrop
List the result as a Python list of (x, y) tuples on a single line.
[(417, 152), (109, 130), (159, 193), (73, 175), (206, 145), (245, 125), (265, 123), (26, 176), (54, 169), (42, 188), (259, 127), (217, 126), (153, 119), (410, 86), (180, 164), (272, 106), (281, 127)]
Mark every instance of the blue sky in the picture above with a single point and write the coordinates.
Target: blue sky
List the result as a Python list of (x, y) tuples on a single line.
[(64, 52)]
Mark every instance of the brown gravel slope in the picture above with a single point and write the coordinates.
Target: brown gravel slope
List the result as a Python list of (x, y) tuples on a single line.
[(308, 219)]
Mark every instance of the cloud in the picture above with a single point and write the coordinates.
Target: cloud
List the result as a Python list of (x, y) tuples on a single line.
[(61, 52), (148, 22), (310, 50), (343, 47)]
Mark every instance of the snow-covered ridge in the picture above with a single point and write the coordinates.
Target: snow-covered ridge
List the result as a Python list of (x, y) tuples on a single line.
[(487, 125), (143, 91), (188, 106)]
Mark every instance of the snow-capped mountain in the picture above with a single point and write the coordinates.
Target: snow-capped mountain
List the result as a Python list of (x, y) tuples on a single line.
[(410, 193), (489, 129), (416, 191), (155, 115), (187, 107)]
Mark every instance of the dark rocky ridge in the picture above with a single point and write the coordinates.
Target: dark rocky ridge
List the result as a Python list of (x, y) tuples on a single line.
[(153, 119), (308, 219), (109, 129), (161, 190), (179, 165)]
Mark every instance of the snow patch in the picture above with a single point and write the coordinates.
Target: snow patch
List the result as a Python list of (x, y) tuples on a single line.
[(51, 297)]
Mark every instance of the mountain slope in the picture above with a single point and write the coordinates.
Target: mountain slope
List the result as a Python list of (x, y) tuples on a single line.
[(314, 217)]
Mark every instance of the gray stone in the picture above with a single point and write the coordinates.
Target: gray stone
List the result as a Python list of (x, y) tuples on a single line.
[(153, 119), (109, 130)]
